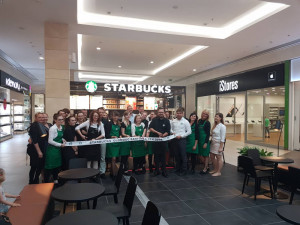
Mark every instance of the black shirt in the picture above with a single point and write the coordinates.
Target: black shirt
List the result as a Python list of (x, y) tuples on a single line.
[(69, 133), (160, 125), (206, 129), (146, 123), (196, 130)]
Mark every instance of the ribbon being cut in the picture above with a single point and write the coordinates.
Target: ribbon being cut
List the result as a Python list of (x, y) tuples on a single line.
[(115, 140)]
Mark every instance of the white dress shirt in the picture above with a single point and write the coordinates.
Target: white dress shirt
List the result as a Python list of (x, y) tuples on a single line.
[(86, 125), (219, 133), (53, 134), (181, 127)]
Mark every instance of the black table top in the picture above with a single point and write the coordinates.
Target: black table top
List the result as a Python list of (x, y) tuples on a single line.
[(78, 174), (289, 213), (82, 217), (276, 159), (78, 192)]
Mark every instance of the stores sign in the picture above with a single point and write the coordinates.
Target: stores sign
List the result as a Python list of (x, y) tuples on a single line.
[(137, 88), (13, 83), (91, 86), (228, 86)]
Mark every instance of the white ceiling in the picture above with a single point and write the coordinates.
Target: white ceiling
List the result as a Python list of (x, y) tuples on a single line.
[(21, 36)]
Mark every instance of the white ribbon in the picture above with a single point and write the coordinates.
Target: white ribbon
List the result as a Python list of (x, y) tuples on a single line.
[(117, 140)]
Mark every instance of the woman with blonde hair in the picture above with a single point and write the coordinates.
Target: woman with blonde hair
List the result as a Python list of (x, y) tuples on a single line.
[(203, 139), (217, 142), (125, 146)]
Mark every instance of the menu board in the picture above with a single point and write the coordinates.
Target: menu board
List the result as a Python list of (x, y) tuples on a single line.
[(79, 102), (130, 101), (96, 101), (149, 103)]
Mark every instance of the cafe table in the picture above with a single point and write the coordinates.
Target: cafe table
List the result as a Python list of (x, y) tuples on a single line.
[(85, 217), (78, 174), (276, 160), (289, 213), (77, 193)]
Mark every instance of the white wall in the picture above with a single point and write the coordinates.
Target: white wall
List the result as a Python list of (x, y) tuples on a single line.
[(190, 101), (276, 100)]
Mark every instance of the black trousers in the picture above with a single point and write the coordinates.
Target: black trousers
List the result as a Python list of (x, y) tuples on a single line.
[(124, 161), (54, 172), (193, 159), (138, 162), (159, 149), (179, 146), (34, 174)]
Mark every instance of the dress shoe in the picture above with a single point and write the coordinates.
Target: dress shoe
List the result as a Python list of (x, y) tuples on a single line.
[(164, 174)]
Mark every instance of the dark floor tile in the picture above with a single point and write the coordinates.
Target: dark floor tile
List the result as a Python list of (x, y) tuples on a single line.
[(154, 186), (190, 220), (234, 202), (215, 191), (177, 184), (110, 199), (174, 209), (272, 208), (189, 194), (137, 214), (224, 218), (162, 196), (257, 215), (201, 182), (205, 205)]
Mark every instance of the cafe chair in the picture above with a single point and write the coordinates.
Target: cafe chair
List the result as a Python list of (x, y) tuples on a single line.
[(294, 180), (123, 211), (152, 215), (249, 170), (254, 154), (114, 189), (77, 163)]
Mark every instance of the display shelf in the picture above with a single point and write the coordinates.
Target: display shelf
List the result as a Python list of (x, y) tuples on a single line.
[(6, 124)]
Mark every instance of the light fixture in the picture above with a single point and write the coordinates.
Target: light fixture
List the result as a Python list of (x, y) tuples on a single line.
[(120, 66), (194, 70), (179, 58), (98, 48), (108, 77), (151, 62), (254, 15), (41, 58)]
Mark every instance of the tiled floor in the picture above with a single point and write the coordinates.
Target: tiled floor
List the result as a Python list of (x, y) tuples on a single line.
[(192, 199)]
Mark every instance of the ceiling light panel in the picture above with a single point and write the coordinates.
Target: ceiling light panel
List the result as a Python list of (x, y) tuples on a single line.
[(83, 76), (252, 16)]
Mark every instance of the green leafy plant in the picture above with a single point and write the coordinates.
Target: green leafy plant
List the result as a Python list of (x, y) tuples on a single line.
[(262, 152)]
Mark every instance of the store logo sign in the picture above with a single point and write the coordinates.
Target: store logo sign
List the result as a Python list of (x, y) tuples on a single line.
[(228, 86), (272, 76), (91, 86), (13, 84), (137, 88)]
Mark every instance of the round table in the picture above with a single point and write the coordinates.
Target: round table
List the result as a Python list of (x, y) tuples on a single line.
[(289, 213), (276, 160), (90, 217), (77, 193), (78, 174)]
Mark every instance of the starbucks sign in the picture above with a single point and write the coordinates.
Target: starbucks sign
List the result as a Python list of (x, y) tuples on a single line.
[(91, 86)]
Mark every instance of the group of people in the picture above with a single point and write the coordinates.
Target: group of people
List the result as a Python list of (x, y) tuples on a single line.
[(49, 154)]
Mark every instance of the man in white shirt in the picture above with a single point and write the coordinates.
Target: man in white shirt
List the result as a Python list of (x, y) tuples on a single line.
[(181, 128), (132, 115)]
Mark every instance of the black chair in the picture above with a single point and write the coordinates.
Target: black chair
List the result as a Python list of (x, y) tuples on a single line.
[(254, 154), (123, 211), (152, 215), (77, 163), (294, 179), (248, 166), (114, 189)]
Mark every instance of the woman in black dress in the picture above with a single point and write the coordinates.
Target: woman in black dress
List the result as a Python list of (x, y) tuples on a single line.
[(80, 119), (69, 152)]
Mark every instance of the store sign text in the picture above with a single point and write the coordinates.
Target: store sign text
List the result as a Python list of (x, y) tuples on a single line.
[(228, 86), (13, 84), (137, 88)]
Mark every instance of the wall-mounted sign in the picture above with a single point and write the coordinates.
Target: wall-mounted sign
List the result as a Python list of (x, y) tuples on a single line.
[(261, 78), (137, 88), (12, 83), (91, 86)]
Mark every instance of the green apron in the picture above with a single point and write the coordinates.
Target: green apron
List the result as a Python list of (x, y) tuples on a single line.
[(113, 149), (138, 147), (53, 153), (149, 145), (125, 146), (190, 141), (201, 141)]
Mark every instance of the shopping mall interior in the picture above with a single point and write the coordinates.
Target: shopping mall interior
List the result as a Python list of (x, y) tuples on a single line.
[(240, 58)]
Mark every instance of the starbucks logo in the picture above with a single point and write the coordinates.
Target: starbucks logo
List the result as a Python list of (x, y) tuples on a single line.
[(91, 86)]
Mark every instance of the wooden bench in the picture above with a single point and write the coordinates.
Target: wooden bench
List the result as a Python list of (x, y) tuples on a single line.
[(36, 205)]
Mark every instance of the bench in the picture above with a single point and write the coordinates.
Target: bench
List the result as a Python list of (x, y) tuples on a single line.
[(37, 207)]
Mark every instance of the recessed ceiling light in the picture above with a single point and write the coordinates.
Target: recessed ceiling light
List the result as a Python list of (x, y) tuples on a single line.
[(268, 93), (98, 48), (275, 93), (120, 66), (151, 62), (194, 70), (265, 90), (41, 58)]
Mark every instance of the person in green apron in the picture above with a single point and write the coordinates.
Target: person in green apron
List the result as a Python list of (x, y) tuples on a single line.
[(113, 149), (148, 145), (138, 147), (125, 146), (53, 153), (192, 141), (203, 141)]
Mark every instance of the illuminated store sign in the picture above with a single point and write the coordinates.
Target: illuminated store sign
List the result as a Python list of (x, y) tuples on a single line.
[(137, 88), (228, 86), (91, 86), (13, 83)]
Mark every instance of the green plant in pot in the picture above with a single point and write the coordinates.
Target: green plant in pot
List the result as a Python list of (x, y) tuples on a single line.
[(262, 152)]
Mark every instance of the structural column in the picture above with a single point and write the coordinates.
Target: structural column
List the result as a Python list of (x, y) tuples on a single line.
[(57, 71)]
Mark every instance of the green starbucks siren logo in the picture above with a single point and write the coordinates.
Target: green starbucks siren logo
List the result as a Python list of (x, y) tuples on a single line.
[(91, 86)]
